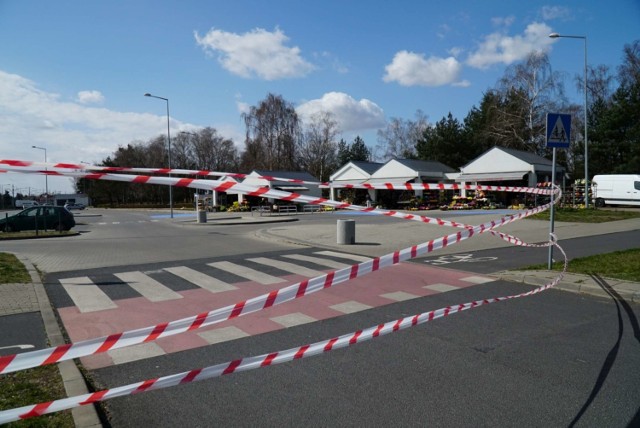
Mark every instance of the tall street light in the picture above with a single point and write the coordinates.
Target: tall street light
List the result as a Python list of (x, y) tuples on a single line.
[(46, 176), (169, 142), (586, 150)]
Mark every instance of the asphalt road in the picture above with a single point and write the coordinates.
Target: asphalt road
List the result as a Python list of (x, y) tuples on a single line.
[(552, 359), (21, 333), (508, 258)]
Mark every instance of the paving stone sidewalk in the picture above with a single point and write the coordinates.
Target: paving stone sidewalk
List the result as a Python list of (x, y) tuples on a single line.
[(18, 299)]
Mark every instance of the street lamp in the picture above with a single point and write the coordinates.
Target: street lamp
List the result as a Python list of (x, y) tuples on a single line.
[(586, 150), (46, 176), (169, 142)]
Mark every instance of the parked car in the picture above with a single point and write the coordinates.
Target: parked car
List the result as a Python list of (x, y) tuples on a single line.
[(40, 218), (75, 206)]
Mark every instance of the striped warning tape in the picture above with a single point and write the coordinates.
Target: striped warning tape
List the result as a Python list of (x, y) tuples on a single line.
[(119, 340), (256, 362), (15, 362), (252, 190), (52, 167), (60, 168)]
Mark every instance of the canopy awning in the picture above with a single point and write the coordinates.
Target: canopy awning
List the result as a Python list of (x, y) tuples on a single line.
[(290, 188), (394, 180), (336, 184), (492, 176)]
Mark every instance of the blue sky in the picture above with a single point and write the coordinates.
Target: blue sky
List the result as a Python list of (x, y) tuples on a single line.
[(73, 73)]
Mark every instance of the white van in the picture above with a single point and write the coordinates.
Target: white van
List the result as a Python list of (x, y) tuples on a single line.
[(620, 189), (26, 204)]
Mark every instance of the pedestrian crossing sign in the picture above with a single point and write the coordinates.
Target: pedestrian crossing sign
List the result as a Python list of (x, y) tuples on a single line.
[(558, 130)]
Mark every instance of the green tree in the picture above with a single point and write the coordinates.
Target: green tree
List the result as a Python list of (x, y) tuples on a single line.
[(359, 150), (356, 151), (444, 142), (614, 123)]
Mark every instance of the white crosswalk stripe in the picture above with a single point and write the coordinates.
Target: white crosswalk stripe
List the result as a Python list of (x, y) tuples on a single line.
[(287, 267), (86, 295), (343, 256), (247, 272), (148, 287), (317, 260), (200, 279)]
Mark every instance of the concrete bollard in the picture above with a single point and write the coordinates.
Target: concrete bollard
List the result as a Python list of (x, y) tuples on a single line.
[(202, 216), (346, 232)]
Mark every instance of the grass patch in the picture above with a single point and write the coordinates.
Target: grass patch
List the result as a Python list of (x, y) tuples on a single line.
[(36, 385), (624, 265), (12, 270), (581, 215), (32, 386)]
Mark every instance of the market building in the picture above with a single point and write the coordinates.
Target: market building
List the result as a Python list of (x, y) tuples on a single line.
[(396, 171)]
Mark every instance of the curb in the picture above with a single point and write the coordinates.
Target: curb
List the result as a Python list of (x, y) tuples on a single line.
[(74, 382), (233, 221), (576, 283)]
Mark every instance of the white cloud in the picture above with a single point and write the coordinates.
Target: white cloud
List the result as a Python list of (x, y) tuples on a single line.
[(503, 21), (462, 84), (90, 97), (242, 107), (412, 69), (351, 115), (555, 12), (257, 53), (71, 132), (455, 51), (443, 30), (498, 48)]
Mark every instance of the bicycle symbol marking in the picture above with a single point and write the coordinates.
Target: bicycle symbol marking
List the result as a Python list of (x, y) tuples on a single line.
[(458, 258)]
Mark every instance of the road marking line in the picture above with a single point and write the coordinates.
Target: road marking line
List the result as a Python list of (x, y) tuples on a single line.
[(317, 260), (442, 288), (344, 256), (247, 272), (287, 267), (148, 287), (477, 279), (224, 334), (350, 307), (399, 296), (87, 296), (293, 319), (200, 279)]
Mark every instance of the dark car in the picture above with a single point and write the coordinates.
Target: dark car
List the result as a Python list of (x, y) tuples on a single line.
[(40, 218), (75, 206)]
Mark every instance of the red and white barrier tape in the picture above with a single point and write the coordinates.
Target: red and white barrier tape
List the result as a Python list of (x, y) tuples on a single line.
[(15, 362), (255, 362), (227, 186), (122, 169), (54, 169), (65, 352)]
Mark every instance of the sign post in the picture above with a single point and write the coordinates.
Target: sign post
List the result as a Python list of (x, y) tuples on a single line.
[(558, 136)]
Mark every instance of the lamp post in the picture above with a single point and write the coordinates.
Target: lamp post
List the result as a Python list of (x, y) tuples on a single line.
[(169, 142), (586, 150), (46, 176)]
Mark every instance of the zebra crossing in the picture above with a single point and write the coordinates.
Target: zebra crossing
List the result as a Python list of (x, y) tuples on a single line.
[(88, 296), (97, 303)]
